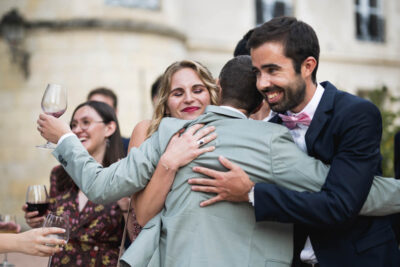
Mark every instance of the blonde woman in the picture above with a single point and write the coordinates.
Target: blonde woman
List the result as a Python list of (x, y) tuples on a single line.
[(186, 88)]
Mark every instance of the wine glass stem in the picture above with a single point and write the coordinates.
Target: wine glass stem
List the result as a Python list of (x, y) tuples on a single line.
[(5, 259), (49, 264)]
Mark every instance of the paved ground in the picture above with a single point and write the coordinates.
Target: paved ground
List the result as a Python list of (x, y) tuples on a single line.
[(21, 260)]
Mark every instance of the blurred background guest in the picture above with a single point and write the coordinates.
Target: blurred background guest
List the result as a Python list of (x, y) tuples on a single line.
[(106, 95)]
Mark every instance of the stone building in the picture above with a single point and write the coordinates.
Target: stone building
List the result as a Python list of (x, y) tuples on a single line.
[(126, 44)]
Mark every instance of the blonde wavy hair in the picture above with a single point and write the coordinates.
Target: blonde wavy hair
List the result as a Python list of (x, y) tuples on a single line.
[(165, 89)]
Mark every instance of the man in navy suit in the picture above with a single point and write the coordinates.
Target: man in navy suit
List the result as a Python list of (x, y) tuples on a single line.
[(338, 128)]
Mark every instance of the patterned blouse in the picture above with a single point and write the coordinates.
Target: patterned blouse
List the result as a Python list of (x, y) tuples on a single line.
[(95, 232)]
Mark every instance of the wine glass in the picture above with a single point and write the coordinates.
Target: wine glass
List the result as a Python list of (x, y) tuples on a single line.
[(7, 218), (37, 199), (54, 102), (61, 221)]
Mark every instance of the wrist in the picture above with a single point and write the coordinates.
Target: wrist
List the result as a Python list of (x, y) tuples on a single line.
[(168, 165)]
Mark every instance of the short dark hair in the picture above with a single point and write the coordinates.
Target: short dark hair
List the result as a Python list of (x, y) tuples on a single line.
[(155, 86), (238, 83), (241, 47), (106, 92), (299, 40)]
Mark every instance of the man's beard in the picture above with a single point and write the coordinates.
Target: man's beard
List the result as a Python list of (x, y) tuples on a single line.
[(293, 95)]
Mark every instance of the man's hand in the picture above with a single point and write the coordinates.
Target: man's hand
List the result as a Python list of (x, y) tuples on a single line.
[(233, 185), (51, 128)]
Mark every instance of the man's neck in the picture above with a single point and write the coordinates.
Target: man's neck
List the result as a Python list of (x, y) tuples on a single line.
[(310, 91)]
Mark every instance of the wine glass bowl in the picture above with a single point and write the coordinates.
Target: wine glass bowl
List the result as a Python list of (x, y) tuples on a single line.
[(37, 199), (54, 102), (61, 221)]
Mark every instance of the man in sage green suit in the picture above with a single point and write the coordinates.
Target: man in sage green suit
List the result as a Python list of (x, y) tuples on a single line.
[(225, 234)]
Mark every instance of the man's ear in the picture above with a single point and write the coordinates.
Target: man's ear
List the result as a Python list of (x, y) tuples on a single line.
[(308, 66), (110, 128)]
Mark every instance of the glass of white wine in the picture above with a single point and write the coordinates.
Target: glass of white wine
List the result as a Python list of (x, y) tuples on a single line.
[(8, 225), (62, 221), (54, 102)]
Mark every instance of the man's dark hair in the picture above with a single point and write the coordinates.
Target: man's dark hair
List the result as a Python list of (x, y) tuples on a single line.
[(298, 39), (241, 47), (238, 83), (155, 87), (105, 92)]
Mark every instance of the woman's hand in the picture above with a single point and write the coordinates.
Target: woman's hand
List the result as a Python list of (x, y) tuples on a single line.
[(36, 242), (185, 147), (31, 219), (52, 128)]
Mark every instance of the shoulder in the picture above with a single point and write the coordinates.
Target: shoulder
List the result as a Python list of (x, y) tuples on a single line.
[(139, 133), (55, 172), (346, 104)]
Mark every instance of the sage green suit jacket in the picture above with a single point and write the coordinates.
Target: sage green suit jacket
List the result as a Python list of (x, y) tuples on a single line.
[(224, 234)]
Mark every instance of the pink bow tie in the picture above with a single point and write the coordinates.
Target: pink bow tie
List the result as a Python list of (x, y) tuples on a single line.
[(293, 121)]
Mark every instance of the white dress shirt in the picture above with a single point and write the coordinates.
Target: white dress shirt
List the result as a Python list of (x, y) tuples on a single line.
[(307, 255)]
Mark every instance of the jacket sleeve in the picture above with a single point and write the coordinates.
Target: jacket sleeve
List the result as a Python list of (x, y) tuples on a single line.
[(105, 185), (295, 170), (347, 184)]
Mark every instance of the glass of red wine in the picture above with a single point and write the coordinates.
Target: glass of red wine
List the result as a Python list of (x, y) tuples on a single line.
[(54, 102), (37, 199)]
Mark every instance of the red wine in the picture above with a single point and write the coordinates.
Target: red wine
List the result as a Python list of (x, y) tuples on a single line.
[(56, 114), (41, 207)]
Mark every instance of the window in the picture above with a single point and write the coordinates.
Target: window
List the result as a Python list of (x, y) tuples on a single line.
[(146, 4), (268, 9), (369, 20)]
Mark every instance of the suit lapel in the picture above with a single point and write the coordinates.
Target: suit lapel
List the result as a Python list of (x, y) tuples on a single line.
[(321, 116)]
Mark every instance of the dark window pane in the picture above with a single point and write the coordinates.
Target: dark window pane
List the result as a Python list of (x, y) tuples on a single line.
[(373, 3), (279, 9), (358, 25), (373, 27), (259, 12)]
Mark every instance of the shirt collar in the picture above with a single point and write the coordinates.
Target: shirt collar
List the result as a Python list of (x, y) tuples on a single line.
[(235, 110)]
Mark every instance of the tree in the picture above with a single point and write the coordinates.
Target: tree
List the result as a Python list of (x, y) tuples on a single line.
[(386, 103)]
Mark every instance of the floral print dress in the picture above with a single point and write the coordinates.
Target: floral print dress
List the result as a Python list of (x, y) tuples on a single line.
[(95, 232)]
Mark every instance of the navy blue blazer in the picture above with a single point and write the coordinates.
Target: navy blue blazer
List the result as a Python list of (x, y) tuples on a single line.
[(345, 132)]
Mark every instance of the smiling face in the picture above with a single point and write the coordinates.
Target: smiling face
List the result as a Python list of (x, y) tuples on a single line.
[(89, 127), (188, 96), (282, 87)]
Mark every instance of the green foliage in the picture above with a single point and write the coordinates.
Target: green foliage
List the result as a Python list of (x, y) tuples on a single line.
[(382, 98)]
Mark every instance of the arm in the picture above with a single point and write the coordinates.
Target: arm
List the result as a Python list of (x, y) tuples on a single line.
[(105, 185), (101, 185), (32, 242), (181, 149), (294, 170)]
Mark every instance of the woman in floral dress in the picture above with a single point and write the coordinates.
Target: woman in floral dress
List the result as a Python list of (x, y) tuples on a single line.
[(95, 230)]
